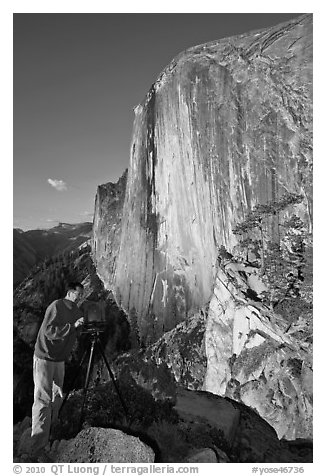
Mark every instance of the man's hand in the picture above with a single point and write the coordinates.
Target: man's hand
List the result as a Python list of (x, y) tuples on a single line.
[(79, 322)]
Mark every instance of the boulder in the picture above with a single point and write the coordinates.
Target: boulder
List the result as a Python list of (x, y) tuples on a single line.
[(105, 445), (235, 432), (215, 412)]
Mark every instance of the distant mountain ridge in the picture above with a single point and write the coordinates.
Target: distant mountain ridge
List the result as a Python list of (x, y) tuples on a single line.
[(33, 246)]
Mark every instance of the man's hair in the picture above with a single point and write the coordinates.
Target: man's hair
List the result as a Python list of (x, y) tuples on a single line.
[(73, 285)]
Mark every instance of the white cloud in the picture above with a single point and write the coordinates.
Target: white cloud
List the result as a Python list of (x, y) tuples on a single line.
[(59, 185), (51, 220)]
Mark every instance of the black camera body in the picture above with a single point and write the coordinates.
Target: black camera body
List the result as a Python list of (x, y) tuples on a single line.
[(94, 316)]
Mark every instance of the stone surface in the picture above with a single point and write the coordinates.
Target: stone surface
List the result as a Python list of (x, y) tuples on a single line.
[(239, 348), (237, 432), (177, 358), (216, 412), (205, 455), (226, 126), (221, 456), (107, 224), (183, 351), (21, 436), (198, 425), (257, 441), (24, 449), (105, 445), (255, 357)]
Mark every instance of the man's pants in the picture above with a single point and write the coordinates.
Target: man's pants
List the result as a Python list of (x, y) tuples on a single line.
[(48, 382)]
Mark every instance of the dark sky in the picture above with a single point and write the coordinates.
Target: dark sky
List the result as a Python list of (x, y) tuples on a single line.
[(77, 78)]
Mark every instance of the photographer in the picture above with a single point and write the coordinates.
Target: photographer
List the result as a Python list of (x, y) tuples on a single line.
[(54, 343)]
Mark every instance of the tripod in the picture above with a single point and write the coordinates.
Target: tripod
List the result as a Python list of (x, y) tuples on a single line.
[(95, 340)]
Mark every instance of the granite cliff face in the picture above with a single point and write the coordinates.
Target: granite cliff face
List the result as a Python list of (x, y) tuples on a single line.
[(107, 225), (256, 356), (227, 126)]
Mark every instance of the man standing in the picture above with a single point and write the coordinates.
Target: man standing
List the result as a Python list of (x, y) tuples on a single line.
[(54, 343)]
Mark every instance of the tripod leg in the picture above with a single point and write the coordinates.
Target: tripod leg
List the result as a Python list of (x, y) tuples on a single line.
[(112, 377), (74, 380), (87, 383)]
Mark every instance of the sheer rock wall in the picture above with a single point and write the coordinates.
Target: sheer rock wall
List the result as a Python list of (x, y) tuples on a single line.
[(226, 126), (107, 226)]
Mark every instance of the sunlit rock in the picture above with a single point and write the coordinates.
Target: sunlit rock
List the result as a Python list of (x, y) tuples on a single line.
[(226, 126), (255, 357)]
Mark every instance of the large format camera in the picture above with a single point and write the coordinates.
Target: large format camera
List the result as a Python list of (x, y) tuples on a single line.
[(94, 316)]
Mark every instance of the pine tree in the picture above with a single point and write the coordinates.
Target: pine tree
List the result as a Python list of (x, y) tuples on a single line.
[(281, 260)]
